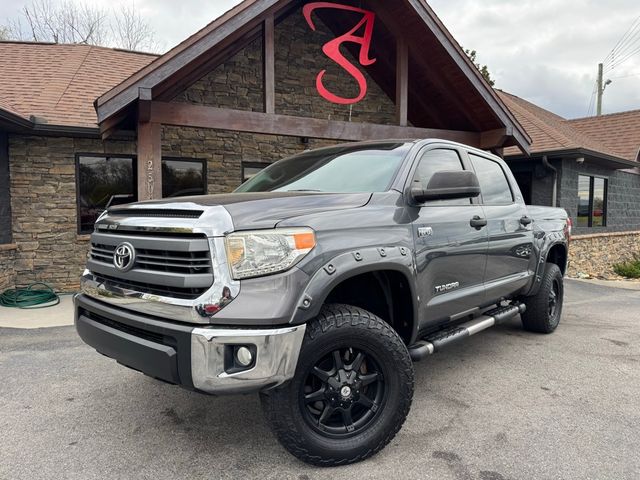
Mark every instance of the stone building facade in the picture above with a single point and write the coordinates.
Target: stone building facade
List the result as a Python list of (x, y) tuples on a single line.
[(46, 244)]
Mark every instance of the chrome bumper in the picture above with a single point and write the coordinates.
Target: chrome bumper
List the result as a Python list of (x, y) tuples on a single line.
[(277, 352)]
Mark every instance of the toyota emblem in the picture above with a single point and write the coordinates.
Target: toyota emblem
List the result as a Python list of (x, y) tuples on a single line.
[(124, 257)]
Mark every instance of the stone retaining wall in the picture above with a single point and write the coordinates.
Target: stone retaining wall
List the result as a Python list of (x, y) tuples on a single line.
[(594, 255)]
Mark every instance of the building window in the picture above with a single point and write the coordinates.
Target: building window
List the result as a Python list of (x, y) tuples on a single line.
[(251, 169), (183, 177), (592, 201), (103, 181)]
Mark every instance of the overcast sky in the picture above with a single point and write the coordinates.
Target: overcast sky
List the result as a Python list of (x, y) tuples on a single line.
[(545, 51)]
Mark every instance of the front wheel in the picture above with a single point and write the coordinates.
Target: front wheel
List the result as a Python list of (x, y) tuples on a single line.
[(545, 308), (351, 392)]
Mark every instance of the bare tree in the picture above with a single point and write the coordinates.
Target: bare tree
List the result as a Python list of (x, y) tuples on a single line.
[(72, 21), (131, 31), (64, 22)]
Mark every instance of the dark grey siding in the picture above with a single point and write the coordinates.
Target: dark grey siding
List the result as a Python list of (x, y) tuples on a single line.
[(623, 199), (5, 192)]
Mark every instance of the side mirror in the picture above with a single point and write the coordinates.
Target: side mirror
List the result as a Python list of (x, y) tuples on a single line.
[(448, 185)]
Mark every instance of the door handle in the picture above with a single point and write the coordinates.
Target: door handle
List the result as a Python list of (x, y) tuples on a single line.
[(526, 221), (478, 222)]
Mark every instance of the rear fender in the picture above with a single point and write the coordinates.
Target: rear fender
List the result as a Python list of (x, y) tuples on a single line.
[(546, 243)]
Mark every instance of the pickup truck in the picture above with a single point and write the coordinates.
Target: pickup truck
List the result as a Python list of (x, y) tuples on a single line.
[(320, 281)]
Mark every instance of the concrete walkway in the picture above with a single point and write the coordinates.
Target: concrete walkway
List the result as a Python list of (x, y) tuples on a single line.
[(59, 316)]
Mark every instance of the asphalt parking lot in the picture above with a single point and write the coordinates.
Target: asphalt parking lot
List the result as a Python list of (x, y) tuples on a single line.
[(503, 405)]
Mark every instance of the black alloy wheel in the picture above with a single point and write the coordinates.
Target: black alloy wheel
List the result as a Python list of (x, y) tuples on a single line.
[(351, 392), (343, 392)]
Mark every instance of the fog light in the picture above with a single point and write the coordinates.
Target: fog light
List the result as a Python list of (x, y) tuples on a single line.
[(244, 357)]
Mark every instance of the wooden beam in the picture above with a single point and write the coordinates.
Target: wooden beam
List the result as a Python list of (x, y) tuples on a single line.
[(269, 62), (494, 138), (111, 125), (198, 116), (149, 161), (402, 82), (144, 105)]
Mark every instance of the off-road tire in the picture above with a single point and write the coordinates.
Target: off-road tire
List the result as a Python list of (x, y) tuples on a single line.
[(343, 326), (540, 317)]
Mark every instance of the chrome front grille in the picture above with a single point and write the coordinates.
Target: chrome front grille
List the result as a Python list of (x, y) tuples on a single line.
[(189, 263), (174, 265)]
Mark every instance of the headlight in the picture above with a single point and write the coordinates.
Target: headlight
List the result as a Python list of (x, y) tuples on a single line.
[(263, 252)]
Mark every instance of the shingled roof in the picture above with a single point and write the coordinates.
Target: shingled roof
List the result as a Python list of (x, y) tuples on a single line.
[(595, 136), (55, 84), (619, 132)]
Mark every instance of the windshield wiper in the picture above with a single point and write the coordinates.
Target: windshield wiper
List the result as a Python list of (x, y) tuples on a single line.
[(305, 190)]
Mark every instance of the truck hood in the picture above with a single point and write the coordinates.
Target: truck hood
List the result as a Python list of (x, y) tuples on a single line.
[(264, 210)]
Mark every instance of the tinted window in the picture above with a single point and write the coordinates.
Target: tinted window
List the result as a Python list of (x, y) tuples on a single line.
[(493, 181), (343, 169), (182, 178), (584, 200), (599, 204), (440, 160), (592, 201), (103, 181)]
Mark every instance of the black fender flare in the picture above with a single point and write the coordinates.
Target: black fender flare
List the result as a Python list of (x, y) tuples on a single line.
[(548, 243), (351, 264)]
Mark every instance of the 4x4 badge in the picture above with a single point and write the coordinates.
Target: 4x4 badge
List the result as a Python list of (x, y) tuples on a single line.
[(425, 232)]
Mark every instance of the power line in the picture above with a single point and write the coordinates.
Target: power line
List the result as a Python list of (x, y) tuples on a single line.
[(630, 32), (629, 47), (622, 54), (624, 59)]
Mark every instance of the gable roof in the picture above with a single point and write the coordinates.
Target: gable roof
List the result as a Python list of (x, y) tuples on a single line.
[(552, 133), (246, 19), (55, 84), (619, 132)]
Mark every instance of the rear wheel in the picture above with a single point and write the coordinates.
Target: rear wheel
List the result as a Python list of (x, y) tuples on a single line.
[(545, 308), (351, 392)]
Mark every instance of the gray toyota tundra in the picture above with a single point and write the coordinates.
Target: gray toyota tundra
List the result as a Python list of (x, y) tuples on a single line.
[(320, 282)]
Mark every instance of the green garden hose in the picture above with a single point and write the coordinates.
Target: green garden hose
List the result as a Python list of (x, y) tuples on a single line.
[(30, 297)]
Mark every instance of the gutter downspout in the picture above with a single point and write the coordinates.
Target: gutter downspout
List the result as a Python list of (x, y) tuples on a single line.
[(545, 162)]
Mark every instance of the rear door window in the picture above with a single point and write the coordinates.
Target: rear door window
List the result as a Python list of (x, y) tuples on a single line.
[(493, 181)]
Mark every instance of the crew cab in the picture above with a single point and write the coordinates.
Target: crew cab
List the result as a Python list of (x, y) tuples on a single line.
[(321, 280)]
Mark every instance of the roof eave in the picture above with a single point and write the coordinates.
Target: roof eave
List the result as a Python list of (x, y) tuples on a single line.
[(599, 158), (13, 119)]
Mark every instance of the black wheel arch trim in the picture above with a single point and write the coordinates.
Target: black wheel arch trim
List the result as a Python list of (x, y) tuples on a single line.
[(544, 250), (351, 264)]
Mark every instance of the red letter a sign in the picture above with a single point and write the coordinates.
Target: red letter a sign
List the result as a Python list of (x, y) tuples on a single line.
[(332, 49)]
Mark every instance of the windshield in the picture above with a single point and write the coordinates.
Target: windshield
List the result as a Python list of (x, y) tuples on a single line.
[(343, 169)]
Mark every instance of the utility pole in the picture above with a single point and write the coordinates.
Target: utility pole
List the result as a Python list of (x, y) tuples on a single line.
[(600, 88)]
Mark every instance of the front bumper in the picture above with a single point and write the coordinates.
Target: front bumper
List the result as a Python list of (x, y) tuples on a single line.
[(196, 358)]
